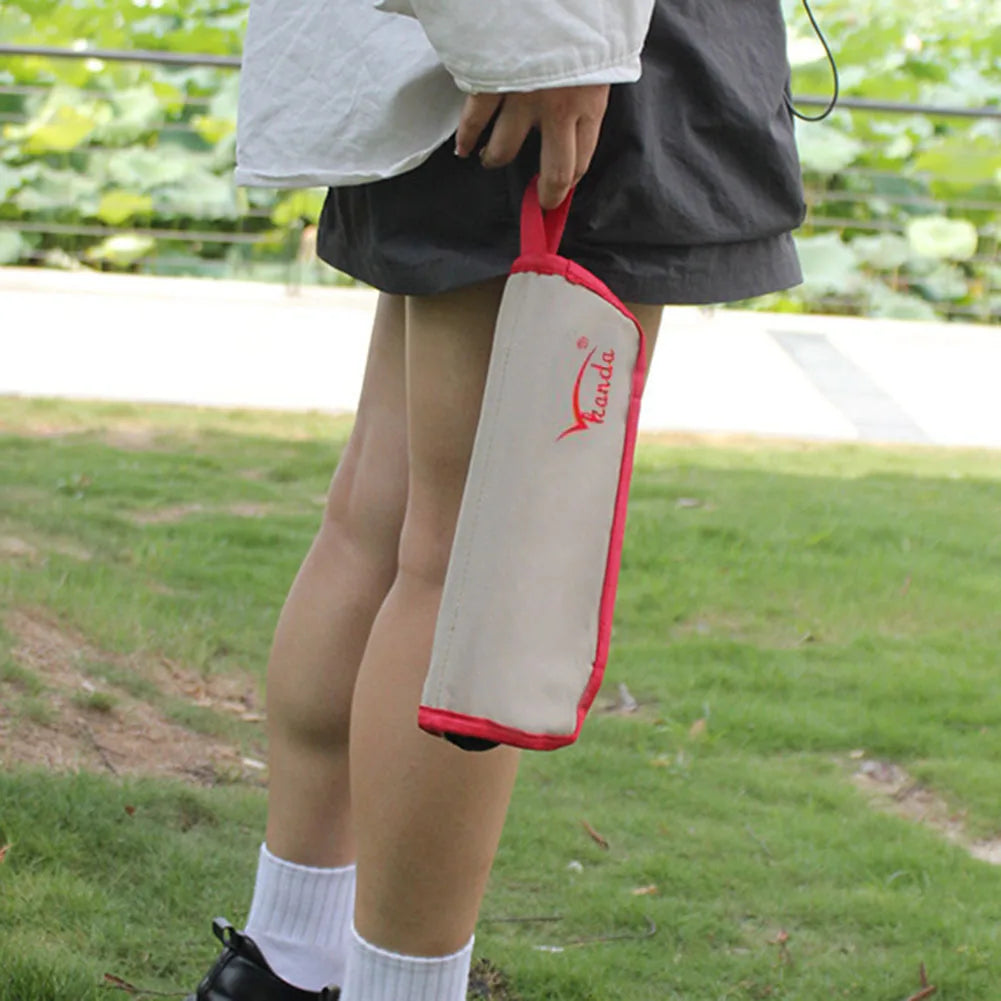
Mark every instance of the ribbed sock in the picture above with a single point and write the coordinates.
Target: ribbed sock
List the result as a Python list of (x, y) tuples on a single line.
[(300, 918), (375, 974)]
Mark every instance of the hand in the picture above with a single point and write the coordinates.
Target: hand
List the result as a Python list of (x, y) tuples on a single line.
[(569, 119)]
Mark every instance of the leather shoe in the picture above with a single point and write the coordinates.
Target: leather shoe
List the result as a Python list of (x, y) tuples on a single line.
[(241, 973)]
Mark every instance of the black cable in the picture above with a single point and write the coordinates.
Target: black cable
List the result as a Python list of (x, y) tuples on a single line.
[(834, 73)]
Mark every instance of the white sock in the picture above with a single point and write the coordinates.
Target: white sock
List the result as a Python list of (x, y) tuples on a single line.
[(375, 974), (301, 920)]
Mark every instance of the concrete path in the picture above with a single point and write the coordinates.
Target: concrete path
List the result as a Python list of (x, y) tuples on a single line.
[(121, 337)]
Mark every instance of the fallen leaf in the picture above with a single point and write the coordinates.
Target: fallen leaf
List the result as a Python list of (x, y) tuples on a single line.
[(123, 985), (254, 763), (927, 990), (130, 810), (782, 941), (856, 755), (3, 852), (645, 891), (597, 838), (698, 728)]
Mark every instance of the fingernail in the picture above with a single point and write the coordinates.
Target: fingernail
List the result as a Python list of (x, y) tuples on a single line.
[(486, 159)]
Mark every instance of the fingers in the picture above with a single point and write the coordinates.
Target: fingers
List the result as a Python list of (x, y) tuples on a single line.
[(588, 130), (477, 111), (558, 161), (569, 119), (509, 132)]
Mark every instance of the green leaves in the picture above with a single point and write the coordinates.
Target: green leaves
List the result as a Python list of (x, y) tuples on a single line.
[(298, 206), (62, 123), (137, 113), (886, 252), (829, 266), (941, 238), (905, 210), (121, 250), (202, 195), (117, 207), (964, 161), (825, 149), (12, 246), (147, 169)]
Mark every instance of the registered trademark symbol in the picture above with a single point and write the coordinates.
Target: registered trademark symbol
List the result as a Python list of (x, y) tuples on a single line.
[(582, 343)]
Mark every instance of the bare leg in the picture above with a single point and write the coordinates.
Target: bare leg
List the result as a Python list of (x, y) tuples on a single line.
[(428, 816), (327, 617)]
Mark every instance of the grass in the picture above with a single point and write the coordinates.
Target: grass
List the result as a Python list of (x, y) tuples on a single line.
[(802, 606)]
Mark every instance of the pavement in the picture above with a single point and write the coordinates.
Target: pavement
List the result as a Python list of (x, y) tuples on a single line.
[(222, 343)]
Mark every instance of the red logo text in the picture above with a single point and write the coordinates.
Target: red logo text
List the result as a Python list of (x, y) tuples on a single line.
[(597, 374)]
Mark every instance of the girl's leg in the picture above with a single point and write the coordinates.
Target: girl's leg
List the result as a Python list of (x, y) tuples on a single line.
[(327, 617), (304, 892), (428, 816)]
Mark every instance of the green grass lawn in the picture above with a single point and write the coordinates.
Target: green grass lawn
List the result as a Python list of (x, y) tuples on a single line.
[(787, 615)]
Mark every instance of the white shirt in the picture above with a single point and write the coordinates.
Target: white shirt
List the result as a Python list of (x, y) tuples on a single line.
[(338, 92)]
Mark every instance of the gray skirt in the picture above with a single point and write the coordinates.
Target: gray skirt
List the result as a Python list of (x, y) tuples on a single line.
[(691, 197)]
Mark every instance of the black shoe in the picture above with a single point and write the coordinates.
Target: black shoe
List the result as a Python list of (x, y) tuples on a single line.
[(241, 973)]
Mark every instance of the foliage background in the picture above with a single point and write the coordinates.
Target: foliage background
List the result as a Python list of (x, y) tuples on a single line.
[(127, 166)]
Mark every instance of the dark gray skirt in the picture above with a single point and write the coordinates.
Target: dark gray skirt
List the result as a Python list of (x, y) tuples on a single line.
[(691, 197)]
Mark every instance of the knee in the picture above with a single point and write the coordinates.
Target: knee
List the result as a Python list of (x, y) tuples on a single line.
[(367, 500), (427, 535)]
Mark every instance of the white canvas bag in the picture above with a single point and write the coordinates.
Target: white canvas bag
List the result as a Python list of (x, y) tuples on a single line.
[(526, 615)]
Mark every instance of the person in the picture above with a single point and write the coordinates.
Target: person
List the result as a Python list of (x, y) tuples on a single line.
[(426, 120)]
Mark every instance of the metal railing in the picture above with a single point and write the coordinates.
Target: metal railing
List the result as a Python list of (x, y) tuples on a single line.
[(251, 244)]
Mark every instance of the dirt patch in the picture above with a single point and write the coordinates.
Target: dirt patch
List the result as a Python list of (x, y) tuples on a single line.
[(41, 429), (178, 512), (248, 509), (13, 547), (893, 790), (131, 439), (89, 724), (67, 547), (127, 437), (165, 515)]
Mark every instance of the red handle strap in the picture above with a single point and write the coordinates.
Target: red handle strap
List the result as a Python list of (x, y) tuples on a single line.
[(541, 232)]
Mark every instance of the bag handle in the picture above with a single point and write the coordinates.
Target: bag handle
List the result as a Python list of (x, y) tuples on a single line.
[(541, 232)]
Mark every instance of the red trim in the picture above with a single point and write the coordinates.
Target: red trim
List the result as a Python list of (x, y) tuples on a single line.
[(553, 264), (541, 232), (610, 587), (441, 721)]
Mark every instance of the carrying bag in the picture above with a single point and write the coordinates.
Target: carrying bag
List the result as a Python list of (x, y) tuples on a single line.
[(523, 630)]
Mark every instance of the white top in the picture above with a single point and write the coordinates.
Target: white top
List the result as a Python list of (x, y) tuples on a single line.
[(338, 92)]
